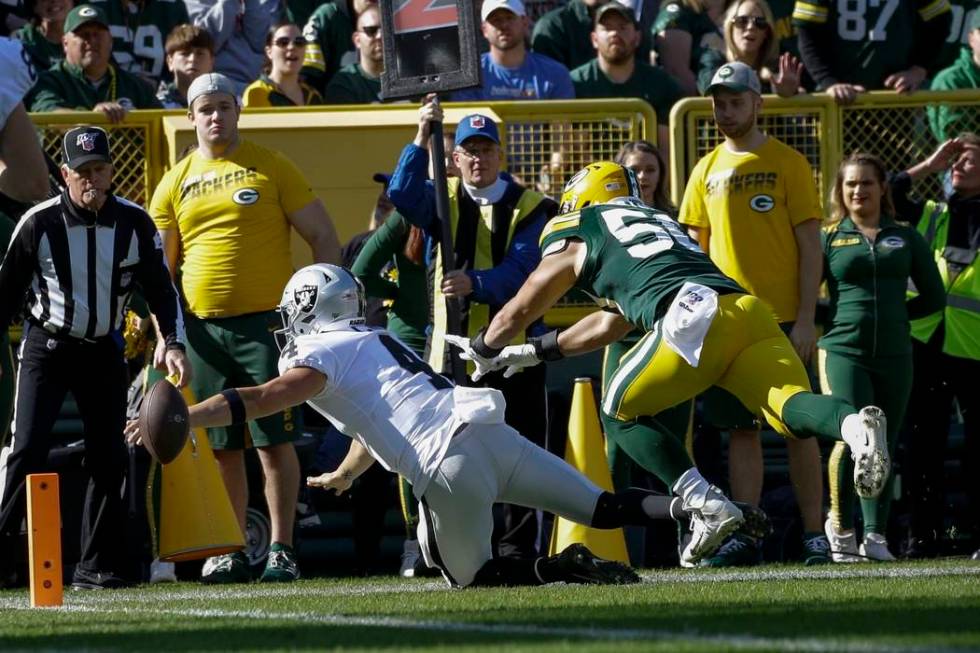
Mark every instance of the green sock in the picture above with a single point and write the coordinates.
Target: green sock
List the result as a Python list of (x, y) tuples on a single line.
[(810, 415)]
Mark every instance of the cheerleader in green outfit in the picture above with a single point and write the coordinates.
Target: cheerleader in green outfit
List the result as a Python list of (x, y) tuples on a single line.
[(865, 356)]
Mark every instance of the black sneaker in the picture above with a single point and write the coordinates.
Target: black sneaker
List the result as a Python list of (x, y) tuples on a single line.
[(226, 569), (281, 566), (84, 579), (577, 564)]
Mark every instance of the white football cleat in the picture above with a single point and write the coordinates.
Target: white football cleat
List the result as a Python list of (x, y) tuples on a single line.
[(711, 522), (875, 547), (866, 435), (843, 546)]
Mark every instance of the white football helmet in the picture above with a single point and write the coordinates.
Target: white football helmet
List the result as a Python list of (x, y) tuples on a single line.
[(318, 298)]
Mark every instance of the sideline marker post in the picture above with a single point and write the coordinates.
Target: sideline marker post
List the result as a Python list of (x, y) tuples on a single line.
[(44, 540)]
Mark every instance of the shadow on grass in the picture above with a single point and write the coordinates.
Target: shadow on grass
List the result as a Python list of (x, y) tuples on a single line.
[(941, 622)]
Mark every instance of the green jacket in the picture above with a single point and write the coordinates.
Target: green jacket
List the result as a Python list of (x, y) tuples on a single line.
[(867, 282), (959, 270), (64, 86), (388, 274), (44, 53), (350, 85), (647, 83), (947, 121)]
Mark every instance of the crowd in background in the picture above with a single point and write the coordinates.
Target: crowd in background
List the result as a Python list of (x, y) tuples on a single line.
[(114, 56)]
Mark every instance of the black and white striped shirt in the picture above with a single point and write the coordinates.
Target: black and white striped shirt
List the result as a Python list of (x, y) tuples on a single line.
[(77, 269)]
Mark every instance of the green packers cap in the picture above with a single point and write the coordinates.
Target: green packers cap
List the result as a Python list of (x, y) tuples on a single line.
[(620, 8), (736, 76), (85, 14), (975, 20)]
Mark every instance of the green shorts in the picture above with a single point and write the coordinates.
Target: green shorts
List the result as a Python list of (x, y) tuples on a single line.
[(233, 352)]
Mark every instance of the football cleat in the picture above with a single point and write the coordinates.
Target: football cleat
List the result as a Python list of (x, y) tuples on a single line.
[(875, 547), (576, 564), (713, 518), (843, 546), (738, 551), (756, 524), (865, 434)]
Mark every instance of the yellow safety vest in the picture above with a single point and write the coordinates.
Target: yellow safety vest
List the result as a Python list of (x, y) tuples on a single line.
[(962, 312), (478, 314)]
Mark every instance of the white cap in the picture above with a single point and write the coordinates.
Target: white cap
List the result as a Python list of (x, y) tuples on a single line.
[(490, 6), (208, 84)]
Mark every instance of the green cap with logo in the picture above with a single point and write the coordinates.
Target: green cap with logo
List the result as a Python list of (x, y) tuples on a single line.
[(737, 77), (85, 14)]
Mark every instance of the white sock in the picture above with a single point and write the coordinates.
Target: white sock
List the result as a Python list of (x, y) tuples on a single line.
[(692, 488)]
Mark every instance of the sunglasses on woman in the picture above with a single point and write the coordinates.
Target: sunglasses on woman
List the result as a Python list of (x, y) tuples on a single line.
[(284, 41), (742, 22)]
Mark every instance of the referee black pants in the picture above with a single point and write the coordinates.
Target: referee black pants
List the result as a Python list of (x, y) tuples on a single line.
[(96, 375)]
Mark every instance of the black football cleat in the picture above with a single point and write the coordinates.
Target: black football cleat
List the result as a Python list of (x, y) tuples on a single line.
[(577, 564), (84, 579), (756, 522)]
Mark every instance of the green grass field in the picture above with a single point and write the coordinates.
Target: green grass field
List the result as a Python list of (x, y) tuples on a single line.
[(897, 607)]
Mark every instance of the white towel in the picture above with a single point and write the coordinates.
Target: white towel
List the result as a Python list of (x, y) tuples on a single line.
[(688, 319)]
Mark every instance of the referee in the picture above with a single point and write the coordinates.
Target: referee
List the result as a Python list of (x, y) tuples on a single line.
[(76, 258)]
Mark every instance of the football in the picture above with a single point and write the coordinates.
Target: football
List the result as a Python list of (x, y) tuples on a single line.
[(164, 422)]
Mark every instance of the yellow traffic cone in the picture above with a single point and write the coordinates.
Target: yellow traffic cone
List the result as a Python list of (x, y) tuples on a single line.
[(586, 452), (196, 516)]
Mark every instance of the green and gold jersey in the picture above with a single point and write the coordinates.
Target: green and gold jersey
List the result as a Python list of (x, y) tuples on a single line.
[(870, 40), (139, 31), (637, 260)]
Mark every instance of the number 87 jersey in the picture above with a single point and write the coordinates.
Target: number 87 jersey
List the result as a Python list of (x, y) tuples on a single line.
[(637, 258)]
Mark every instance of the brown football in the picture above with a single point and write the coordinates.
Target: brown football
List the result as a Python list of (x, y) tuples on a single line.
[(164, 422)]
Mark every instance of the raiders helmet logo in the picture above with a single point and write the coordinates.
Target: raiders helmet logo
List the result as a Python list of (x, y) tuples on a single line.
[(86, 141), (305, 297)]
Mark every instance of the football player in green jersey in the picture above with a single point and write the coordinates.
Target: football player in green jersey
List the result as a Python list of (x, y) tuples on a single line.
[(701, 328)]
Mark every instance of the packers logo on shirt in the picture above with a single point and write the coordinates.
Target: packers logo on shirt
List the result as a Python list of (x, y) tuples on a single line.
[(893, 242), (245, 196), (762, 203)]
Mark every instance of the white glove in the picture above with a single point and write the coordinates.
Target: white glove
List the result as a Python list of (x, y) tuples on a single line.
[(516, 358), (483, 365)]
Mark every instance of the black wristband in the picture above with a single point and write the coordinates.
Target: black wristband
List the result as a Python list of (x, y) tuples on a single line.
[(482, 348), (546, 346), (236, 405)]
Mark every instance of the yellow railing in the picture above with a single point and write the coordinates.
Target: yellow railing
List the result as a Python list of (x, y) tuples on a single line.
[(892, 126)]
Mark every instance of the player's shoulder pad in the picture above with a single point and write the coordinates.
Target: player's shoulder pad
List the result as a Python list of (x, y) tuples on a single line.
[(560, 226)]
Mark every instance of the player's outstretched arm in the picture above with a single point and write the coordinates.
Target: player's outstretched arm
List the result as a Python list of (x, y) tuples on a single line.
[(239, 405), (554, 276), (356, 462), (592, 332)]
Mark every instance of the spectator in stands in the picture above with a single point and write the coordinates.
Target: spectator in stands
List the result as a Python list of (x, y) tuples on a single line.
[(280, 85), (239, 28), (298, 12), (753, 206), (510, 72), (751, 39), (87, 80), (42, 35), (848, 50), (685, 30), (650, 168), (329, 31), (227, 210), (866, 352), (563, 33), (947, 120), (507, 219), (617, 71), (190, 54), (959, 30), (139, 30), (946, 345), (360, 82)]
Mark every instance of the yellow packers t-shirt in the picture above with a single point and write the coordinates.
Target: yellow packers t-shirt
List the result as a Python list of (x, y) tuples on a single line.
[(234, 234), (750, 202)]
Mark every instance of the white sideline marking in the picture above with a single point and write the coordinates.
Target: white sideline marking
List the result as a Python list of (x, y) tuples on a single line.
[(732, 640), (830, 572)]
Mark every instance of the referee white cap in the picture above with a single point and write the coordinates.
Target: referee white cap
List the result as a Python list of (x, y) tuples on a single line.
[(209, 84)]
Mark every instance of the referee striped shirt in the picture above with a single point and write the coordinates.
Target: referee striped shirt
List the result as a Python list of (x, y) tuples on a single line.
[(76, 270)]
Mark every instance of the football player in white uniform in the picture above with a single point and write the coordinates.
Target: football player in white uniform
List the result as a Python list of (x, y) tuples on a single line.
[(450, 442), (28, 180)]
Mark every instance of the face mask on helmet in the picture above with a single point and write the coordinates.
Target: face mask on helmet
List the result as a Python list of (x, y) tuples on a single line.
[(598, 183), (319, 298)]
